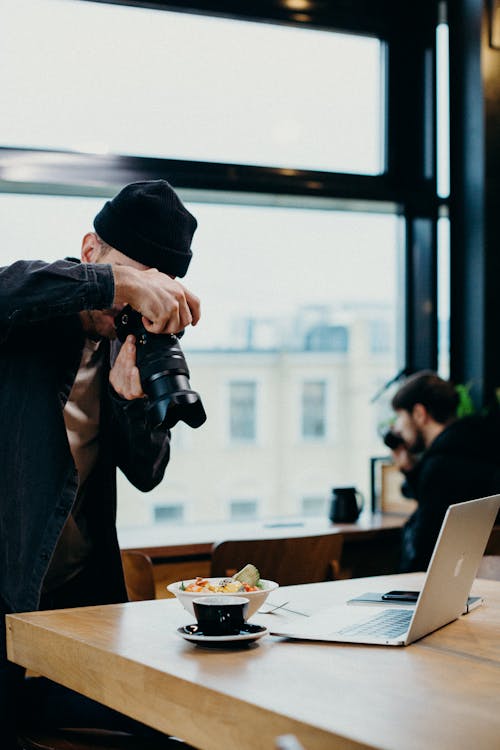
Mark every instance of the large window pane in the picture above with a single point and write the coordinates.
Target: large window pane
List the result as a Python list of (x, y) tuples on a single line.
[(42, 227), (443, 110), (138, 81), (443, 237), (289, 296)]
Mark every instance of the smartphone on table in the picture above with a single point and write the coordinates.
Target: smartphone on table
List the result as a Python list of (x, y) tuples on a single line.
[(401, 596)]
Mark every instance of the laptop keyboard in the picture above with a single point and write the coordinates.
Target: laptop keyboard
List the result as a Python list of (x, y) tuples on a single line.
[(390, 623)]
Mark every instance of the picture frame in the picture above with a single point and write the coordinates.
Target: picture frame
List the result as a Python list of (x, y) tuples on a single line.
[(385, 484), (494, 24)]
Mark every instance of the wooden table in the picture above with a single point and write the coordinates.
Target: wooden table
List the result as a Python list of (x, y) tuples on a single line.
[(197, 540), (441, 692), (371, 545)]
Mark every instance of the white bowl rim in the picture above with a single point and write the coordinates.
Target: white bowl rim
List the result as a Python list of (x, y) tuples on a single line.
[(174, 588)]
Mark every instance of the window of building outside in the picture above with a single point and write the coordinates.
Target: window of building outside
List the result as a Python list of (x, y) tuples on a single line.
[(168, 513), (242, 410), (292, 289), (243, 510), (314, 409), (315, 507)]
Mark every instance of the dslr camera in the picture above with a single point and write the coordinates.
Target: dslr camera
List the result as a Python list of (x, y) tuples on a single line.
[(164, 373), (392, 440)]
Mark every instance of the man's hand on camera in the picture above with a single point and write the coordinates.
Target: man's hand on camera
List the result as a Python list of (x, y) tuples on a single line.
[(165, 304), (124, 375)]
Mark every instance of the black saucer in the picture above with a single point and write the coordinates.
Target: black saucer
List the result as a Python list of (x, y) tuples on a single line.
[(247, 634)]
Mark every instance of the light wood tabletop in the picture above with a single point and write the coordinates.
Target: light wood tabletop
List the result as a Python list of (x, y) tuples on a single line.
[(441, 692)]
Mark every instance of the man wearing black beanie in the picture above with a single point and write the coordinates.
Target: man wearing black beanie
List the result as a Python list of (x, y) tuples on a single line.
[(73, 410)]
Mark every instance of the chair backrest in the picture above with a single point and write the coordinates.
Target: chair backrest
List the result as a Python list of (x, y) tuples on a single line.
[(289, 561), (489, 567), (139, 577)]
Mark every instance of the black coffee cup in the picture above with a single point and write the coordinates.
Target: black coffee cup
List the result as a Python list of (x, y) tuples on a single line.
[(347, 503), (220, 615)]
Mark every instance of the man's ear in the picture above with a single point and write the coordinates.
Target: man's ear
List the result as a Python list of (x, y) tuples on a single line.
[(420, 415), (90, 248)]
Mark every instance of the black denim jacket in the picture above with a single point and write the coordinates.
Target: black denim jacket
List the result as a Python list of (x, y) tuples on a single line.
[(41, 341)]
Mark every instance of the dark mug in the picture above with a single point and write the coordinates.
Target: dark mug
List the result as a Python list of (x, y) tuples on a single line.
[(347, 503), (220, 615)]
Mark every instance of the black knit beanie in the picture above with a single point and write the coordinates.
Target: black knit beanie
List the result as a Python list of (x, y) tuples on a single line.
[(148, 222)]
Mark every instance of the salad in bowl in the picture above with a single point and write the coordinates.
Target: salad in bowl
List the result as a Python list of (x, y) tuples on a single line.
[(247, 582)]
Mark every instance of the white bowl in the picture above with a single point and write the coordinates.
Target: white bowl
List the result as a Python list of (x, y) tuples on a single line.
[(255, 598)]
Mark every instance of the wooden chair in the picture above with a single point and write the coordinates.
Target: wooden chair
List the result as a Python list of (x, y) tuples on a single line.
[(139, 576), (289, 561), (489, 567)]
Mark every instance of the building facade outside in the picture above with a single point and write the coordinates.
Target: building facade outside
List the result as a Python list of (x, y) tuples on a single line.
[(285, 424)]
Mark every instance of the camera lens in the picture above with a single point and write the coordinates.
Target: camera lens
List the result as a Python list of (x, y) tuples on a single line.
[(164, 374), (392, 440)]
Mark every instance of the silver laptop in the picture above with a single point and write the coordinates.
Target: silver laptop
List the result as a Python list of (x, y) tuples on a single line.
[(451, 572)]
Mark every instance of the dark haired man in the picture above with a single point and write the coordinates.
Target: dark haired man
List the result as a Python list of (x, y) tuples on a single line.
[(73, 409), (445, 460)]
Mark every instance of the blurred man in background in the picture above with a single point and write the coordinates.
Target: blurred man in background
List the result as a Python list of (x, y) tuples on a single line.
[(445, 460)]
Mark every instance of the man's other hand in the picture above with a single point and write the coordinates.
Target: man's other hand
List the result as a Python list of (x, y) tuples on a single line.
[(124, 375)]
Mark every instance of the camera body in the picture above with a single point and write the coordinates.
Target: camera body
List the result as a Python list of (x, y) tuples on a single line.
[(392, 440), (164, 373)]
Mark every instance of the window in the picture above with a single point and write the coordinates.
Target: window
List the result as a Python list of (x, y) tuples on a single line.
[(301, 276), (290, 278), (243, 510), (327, 338), (444, 297), (314, 506), (314, 410), (443, 110), (443, 189), (242, 410), (44, 227), (216, 101), (316, 294), (168, 513)]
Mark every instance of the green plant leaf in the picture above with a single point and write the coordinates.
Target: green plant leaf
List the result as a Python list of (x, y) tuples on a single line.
[(466, 405)]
